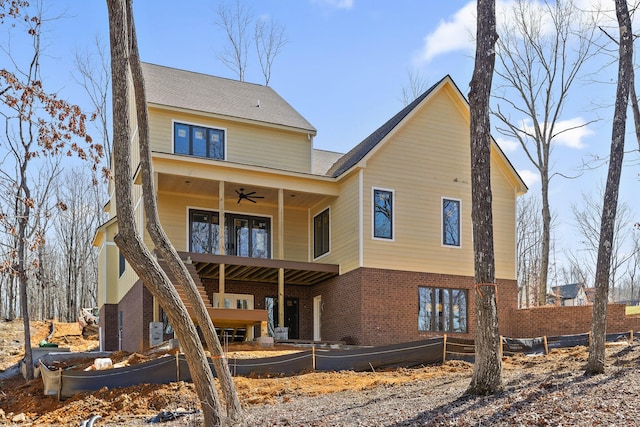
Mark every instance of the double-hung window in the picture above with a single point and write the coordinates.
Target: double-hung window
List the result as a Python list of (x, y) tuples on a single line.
[(198, 141), (321, 233), (382, 214), (450, 222), (442, 310)]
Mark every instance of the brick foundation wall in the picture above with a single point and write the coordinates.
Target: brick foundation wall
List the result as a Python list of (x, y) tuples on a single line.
[(341, 305), (109, 325), (554, 320), (137, 312), (378, 307)]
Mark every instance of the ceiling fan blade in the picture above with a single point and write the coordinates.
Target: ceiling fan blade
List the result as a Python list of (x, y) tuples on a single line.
[(255, 197), (249, 194), (251, 200)]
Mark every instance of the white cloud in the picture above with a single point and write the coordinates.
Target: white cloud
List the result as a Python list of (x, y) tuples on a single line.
[(458, 32), (569, 133), (451, 35), (338, 4), (529, 177), (573, 132), (508, 145)]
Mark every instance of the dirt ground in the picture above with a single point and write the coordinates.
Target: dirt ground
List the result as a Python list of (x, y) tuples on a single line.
[(23, 403)]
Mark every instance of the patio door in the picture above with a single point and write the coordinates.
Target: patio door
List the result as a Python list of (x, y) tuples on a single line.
[(291, 315), (250, 236)]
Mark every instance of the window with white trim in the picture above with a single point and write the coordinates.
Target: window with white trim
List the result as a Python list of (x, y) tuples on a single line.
[(198, 141), (321, 233), (450, 222), (382, 214)]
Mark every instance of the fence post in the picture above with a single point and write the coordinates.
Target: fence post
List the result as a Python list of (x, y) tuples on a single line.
[(546, 347), (444, 349), (313, 356), (501, 349), (630, 336), (177, 367)]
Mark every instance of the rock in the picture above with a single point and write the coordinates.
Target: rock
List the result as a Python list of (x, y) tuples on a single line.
[(20, 418), (2, 414)]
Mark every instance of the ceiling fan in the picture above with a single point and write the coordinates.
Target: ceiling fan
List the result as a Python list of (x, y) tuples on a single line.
[(248, 196)]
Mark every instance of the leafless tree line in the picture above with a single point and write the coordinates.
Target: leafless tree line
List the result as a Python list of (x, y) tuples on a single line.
[(63, 274)]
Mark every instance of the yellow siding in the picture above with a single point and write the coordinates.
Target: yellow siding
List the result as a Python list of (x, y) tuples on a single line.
[(432, 153), (246, 143), (173, 211), (344, 227), (296, 236)]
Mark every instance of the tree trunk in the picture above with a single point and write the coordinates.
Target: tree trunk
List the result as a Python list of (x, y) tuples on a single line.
[(128, 239), (161, 241), (595, 364), (487, 372), (546, 239)]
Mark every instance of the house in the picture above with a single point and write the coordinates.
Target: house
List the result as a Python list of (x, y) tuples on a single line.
[(369, 247), (568, 295)]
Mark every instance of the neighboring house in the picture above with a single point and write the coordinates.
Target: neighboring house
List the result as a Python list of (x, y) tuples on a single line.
[(568, 295), (370, 247)]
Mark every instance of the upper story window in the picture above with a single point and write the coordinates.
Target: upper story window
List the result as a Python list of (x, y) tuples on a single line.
[(321, 233), (199, 141), (450, 222), (382, 214)]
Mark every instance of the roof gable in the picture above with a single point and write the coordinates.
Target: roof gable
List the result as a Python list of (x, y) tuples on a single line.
[(230, 98), (358, 152), (378, 137)]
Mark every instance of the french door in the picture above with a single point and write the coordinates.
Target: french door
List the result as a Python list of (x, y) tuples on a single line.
[(248, 236)]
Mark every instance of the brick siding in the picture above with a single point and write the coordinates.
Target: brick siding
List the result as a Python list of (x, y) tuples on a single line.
[(555, 320), (137, 312), (377, 307), (109, 324)]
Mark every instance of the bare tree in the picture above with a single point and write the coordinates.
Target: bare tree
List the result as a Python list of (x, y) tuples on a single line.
[(94, 75), (235, 19), (269, 39), (418, 83), (37, 125), (528, 238), (487, 371), (125, 62), (595, 363), (587, 221), (160, 239), (74, 230), (541, 52)]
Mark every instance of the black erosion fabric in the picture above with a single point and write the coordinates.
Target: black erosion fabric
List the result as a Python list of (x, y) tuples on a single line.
[(567, 341), (392, 356), (511, 346), (461, 349), (169, 369), (158, 371)]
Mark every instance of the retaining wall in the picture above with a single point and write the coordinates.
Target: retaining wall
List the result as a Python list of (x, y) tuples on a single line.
[(555, 320)]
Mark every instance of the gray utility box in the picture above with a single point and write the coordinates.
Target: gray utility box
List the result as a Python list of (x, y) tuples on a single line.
[(155, 333)]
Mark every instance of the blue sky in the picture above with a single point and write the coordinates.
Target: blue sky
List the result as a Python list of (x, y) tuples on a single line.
[(343, 69)]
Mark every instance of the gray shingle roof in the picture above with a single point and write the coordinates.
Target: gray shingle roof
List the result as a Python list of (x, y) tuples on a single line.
[(323, 160), (358, 152), (216, 95)]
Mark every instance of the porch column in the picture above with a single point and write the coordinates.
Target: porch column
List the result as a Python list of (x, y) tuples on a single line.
[(221, 250), (281, 296), (281, 256)]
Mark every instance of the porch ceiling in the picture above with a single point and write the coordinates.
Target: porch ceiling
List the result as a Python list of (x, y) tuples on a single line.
[(261, 270)]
